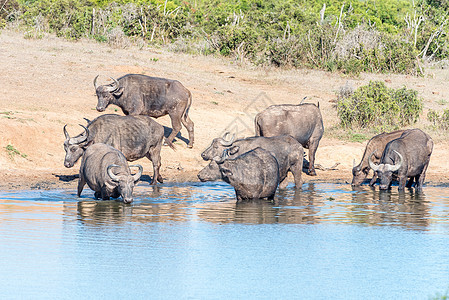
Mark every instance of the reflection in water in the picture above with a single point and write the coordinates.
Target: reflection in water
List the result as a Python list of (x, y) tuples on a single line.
[(314, 204), (195, 241)]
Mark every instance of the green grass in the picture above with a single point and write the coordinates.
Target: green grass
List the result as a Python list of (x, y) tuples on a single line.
[(12, 152)]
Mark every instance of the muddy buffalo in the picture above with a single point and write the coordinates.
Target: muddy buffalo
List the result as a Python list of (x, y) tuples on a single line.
[(287, 151), (407, 157), (303, 122), (106, 172), (375, 145), (139, 94), (254, 174), (134, 136)]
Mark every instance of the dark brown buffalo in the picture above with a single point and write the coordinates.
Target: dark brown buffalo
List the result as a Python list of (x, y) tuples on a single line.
[(287, 151), (303, 122), (134, 136), (408, 157), (377, 145), (139, 94), (106, 172), (254, 174)]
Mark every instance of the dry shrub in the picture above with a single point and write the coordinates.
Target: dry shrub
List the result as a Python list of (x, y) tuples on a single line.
[(191, 46), (357, 40), (117, 38)]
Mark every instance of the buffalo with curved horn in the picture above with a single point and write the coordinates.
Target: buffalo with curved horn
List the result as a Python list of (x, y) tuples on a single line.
[(139, 94), (406, 157), (287, 151), (254, 174), (106, 172), (375, 145), (134, 136)]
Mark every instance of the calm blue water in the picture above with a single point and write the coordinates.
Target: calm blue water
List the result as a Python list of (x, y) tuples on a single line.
[(193, 241)]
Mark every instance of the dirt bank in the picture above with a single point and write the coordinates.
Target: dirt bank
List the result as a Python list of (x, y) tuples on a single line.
[(47, 83)]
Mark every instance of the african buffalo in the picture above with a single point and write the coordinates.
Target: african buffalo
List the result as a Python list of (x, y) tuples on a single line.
[(106, 172), (407, 156), (254, 174), (377, 145), (302, 121), (287, 151), (139, 94), (134, 136)]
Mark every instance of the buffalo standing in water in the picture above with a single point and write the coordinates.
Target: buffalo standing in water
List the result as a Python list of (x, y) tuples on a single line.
[(407, 156), (287, 151), (375, 145), (134, 136), (144, 95), (106, 172), (254, 174), (302, 121)]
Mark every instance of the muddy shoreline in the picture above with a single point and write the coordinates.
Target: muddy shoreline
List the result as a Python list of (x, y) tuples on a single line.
[(45, 180)]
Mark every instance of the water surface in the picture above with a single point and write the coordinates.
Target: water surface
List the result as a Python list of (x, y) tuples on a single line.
[(194, 240)]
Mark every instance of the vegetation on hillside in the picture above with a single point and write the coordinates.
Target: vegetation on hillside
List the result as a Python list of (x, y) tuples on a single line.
[(350, 36), (378, 107)]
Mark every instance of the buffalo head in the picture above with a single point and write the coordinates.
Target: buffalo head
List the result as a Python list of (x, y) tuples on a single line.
[(211, 172), (125, 182), (107, 93), (74, 147), (385, 171), (218, 146), (358, 174)]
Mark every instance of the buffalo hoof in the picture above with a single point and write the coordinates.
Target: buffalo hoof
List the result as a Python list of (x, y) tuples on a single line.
[(312, 173)]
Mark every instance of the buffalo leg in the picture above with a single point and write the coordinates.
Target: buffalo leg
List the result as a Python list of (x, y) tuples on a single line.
[(81, 184), (410, 181), (154, 155), (420, 178), (104, 194), (188, 124), (312, 150), (296, 170), (373, 180), (402, 181), (176, 125), (283, 184)]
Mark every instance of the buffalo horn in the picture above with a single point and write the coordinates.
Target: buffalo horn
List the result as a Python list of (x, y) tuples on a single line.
[(136, 176), (226, 143), (112, 175), (371, 164), (81, 138), (67, 136), (396, 166), (114, 86), (95, 81)]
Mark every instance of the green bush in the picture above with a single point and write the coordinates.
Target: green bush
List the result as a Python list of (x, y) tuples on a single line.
[(363, 36), (379, 107), (439, 121)]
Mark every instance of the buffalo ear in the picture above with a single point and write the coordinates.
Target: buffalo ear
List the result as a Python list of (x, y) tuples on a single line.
[(118, 92), (233, 150)]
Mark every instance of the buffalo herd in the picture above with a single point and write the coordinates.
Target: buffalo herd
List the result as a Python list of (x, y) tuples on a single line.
[(255, 166)]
